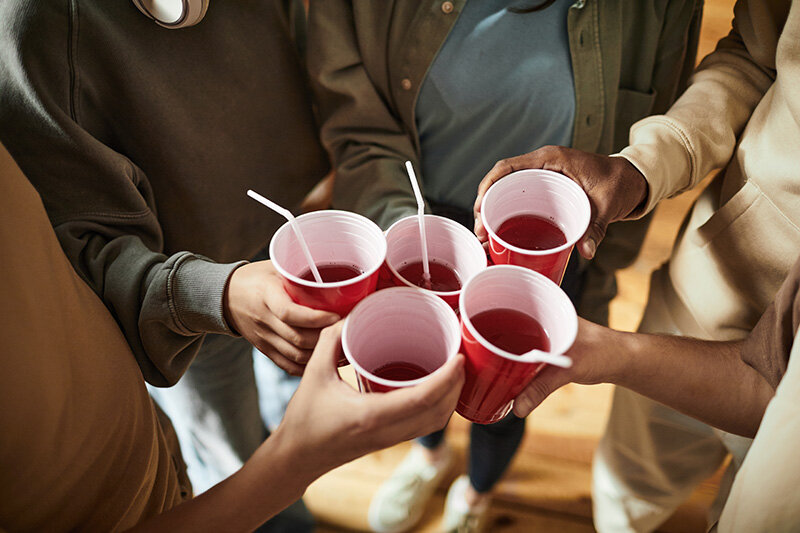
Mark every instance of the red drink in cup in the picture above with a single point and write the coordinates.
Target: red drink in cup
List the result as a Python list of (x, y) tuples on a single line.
[(533, 219), (454, 255), (506, 312), (348, 250), (397, 337)]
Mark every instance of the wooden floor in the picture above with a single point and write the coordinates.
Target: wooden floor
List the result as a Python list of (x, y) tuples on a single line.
[(547, 487)]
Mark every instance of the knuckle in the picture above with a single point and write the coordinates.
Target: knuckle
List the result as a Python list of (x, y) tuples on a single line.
[(365, 422), (281, 313), (425, 402), (504, 165), (296, 338), (598, 228), (294, 370)]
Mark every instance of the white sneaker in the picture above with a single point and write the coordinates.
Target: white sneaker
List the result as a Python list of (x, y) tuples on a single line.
[(459, 517), (400, 502)]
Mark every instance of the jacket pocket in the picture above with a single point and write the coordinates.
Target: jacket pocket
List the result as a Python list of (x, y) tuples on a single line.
[(752, 245), (632, 106), (727, 214)]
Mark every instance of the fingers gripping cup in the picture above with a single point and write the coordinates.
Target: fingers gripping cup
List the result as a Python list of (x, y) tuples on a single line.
[(455, 254), (507, 311), (397, 337), (533, 219), (347, 249)]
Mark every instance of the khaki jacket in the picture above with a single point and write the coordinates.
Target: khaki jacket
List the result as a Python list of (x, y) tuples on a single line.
[(368, 61), (741, 111)]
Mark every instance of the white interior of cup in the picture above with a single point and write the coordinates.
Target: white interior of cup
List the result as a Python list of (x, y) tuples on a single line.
[(521, 289), (332, 237), (415, 323), (448, 242), (543, 193)]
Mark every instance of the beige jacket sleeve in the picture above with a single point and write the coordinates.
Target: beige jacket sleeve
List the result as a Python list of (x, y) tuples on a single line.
[(699, 133)]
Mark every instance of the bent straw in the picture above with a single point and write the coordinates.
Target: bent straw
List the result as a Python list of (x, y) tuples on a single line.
[(561, 361), (293, 223), (426, 270)]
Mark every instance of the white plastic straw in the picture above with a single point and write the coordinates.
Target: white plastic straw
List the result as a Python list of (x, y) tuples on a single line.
[(561, 361), (426, 270), (293, 223)]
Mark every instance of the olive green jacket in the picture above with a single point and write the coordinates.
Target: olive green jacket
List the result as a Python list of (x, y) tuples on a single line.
[(368, 61)]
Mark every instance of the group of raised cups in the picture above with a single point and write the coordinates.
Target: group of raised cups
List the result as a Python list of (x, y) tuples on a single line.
[(506, 312)]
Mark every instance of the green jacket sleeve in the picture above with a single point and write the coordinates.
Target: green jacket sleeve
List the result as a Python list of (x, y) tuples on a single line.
[(370, 177), (102, 207)]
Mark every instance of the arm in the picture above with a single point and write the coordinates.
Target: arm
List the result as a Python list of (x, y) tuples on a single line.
[(367, 142), (326, 425), (699, 132), (703, 379), (697, 135)]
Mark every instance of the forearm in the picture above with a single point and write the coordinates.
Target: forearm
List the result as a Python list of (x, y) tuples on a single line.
[(698, 134), (164, 305), (269, 482), (703, 379)]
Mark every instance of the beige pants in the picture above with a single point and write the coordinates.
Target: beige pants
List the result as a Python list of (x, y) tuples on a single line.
[(651, 457)]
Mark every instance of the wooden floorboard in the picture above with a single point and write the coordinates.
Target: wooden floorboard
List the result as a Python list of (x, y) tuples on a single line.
[(547, 487)]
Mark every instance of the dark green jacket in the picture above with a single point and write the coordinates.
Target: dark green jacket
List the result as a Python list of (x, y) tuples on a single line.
[(368, 60), (142, 142)]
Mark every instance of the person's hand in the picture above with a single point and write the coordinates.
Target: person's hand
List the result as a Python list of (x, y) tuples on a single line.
[(595, 359), (258, 308), (328, 423), (614, 186)]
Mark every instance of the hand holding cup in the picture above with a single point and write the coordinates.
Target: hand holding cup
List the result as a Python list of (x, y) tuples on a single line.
[(328, 423), (614, 186)]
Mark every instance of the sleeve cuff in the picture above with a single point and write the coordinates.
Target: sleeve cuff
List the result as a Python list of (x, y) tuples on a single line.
[(660, 151), (195, 292)]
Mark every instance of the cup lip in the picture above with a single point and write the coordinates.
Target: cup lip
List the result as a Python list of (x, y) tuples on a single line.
[(570, 242), (446, 221), (313, 284), (531, 357), (385, 293)]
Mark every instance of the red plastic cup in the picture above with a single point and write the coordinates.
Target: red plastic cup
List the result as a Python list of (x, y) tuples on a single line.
[(543, 193), (494, 377), (332, 236), (449, 243), (399, 328)]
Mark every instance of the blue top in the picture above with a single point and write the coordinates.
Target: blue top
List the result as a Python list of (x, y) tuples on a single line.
[(500, 86)]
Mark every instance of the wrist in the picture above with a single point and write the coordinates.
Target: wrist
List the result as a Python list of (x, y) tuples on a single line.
[(636, 186), (227, 312), (629, 349), (303, 463), (639, 188)]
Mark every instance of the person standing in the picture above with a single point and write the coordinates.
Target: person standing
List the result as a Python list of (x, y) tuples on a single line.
[(736, 245), (142, 140), (455, 85)]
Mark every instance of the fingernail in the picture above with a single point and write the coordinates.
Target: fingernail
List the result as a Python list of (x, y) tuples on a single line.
[(591, 246)]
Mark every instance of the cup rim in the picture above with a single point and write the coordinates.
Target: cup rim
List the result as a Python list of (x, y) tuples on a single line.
[(313, 284), (531, 357), (446, 221), (384, 294), (570, 242)]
